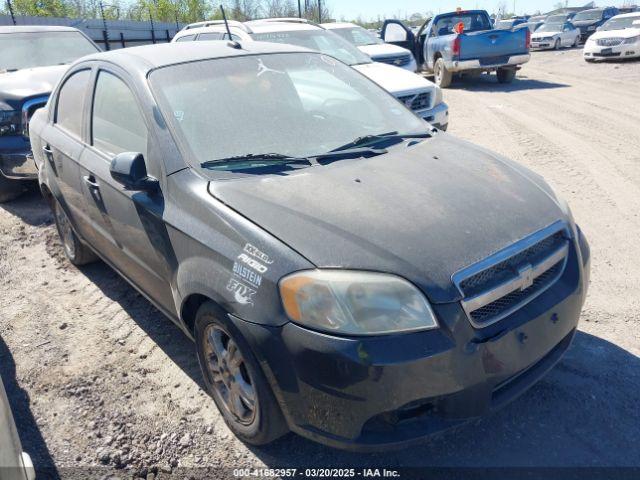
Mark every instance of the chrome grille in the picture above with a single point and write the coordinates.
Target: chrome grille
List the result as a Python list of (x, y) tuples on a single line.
[(396, 60), (420, 101), (28, 109), (506, 281), (609, 42)]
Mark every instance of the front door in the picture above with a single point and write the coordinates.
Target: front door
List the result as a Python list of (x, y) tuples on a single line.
[(128, 224)]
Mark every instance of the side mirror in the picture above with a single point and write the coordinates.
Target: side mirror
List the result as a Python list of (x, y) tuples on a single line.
[(129, 169)]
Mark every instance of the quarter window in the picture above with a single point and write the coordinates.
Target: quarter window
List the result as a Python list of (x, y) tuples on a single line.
[(210, 36), (71, 102), (186, 38), (117, 123)]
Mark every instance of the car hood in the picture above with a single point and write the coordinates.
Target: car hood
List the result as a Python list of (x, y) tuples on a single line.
[(29, 82), (539, 35), (381, 50), (395, 80), (423, 212), (624, 33)]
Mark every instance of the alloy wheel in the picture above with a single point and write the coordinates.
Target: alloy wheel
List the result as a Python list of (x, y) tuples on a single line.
[(229, 375)]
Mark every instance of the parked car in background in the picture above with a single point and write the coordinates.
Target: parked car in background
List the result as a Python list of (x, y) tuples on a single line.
[(532, 26), (537, 18), (32, 60), (509, 23), (588, 21), (414, 91), (14, 463), (440, 49), (617, 38), (346, 272), (555, 35), (560, 17), (373, 46)]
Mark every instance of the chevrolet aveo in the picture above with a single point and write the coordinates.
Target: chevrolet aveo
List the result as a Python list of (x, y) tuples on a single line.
[(346, 271)]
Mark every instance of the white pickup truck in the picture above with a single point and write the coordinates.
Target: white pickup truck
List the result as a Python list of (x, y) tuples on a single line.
[(414, 91)]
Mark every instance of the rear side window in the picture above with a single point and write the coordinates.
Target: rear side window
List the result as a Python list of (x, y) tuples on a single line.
[(71, 101), (186, 38), (210, 36), (117, 123)]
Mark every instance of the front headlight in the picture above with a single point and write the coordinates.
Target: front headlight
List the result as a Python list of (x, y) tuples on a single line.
[(439, 98), (9, 122), (355, 303), (632, 40)]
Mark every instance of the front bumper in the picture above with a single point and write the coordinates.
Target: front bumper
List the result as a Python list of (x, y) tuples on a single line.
[(592, 51), (464, 65), (16, 159), (437, 116), (369, 393), (542, 44)]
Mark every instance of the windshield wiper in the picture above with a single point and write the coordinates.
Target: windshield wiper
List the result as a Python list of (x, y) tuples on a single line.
[(373, 139), (258, 158)]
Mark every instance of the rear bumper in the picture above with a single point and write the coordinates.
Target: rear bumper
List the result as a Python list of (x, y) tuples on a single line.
[(368, 393), (462, 65), (437, 116), (16, 159)]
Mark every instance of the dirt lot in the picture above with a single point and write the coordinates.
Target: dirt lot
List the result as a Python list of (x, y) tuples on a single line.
[(98, 377)]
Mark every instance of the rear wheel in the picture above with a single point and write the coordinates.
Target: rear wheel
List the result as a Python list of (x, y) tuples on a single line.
[(506, 75), (234, 379), (10, 189), (76, 251), (442, 76)]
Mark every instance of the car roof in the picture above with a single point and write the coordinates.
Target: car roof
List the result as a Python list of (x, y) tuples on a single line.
[(628, 15), (149, 57), (260, 26), (36, 28)]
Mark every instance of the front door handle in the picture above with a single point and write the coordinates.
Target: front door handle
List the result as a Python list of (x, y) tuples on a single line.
[(90, 180)]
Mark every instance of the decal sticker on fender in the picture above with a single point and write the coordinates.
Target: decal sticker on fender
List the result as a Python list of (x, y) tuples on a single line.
[(242, 293), (248, 268)]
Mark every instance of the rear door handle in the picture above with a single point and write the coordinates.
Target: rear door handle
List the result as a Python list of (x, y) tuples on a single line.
[(90, 180)]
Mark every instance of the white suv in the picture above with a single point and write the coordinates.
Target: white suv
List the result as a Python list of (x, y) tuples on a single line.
[(376, 48), (414, 91)]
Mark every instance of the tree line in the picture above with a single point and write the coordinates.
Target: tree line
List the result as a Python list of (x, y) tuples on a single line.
[(182, 11)]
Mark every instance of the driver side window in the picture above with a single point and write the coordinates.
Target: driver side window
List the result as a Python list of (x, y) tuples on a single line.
[(395, 33), (117, 125)]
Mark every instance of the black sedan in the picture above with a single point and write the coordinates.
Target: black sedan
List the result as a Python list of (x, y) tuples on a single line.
[(346, 272)]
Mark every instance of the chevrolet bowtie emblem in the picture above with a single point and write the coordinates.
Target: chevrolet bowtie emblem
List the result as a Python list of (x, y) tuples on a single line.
[(526, 276)]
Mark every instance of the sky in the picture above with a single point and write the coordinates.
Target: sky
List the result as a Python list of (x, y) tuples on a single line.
[(368, 9)]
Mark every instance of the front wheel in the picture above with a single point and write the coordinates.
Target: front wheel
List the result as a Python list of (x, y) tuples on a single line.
[(234, 379), (77, 252), (576, 41), (556, 46), (10, 189), (442, 76), (506, 75)]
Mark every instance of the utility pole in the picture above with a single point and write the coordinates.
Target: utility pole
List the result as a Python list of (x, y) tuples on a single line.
[(299, 9), (319, 11), (105, 31), (13, 17)]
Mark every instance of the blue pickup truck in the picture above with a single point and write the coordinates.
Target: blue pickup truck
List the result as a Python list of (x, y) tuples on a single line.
[(462, 42)]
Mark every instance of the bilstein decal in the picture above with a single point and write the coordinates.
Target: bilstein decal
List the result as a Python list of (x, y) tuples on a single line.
[(249, 267)]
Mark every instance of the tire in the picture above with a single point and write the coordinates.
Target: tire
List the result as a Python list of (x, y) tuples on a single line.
[(10, 189), (441, 75), (576, 42), (556, 45), (76, 252), (232, 373), (506, 75), (589, 60)]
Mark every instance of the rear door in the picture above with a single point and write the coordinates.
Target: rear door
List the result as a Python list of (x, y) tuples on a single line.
[(62, 145), (129, 225)]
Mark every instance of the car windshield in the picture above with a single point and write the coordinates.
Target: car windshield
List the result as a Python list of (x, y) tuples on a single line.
[(472, 21), (621, 23), (293, 104), (317, 39), (588, 15), (550, 27), (556, 19), (40, 49), (357, 36)]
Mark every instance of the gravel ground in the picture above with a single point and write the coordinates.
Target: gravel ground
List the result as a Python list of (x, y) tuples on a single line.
[(99, 378)]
